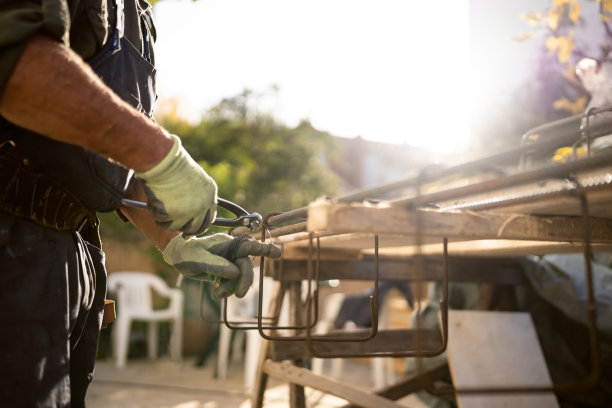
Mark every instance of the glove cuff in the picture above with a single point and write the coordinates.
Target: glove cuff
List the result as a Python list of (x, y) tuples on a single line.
[(172, 248), (166, 163)]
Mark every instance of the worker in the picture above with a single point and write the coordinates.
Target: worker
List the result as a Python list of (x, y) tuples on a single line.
[(77, 83)]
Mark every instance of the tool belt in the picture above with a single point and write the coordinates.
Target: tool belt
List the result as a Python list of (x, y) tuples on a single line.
[(27, 194)]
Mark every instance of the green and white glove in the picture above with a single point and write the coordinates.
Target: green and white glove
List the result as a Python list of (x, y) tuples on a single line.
[(181, 196), (219, 258)]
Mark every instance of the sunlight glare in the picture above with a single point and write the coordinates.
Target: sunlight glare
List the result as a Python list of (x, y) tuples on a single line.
[(390, 71)]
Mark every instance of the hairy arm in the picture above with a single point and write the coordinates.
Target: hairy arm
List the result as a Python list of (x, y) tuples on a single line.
[(143, 220), (54, 93)]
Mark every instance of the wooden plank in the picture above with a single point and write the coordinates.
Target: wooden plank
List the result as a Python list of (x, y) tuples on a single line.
[(496, 349), (350, 242), (344, 218), (354, 246), (496, 248), (505, 271), (297, 398), (411, 383), (299, 250), (384, 341), (297, 375)]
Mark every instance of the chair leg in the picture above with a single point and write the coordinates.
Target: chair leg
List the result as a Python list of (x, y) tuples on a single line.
[(317, 365), (152, 340), (253, 344), (389, 371), (378, 372), (237, 343), (337, 365), (225, 338), (121, 335), (176, 339), (383, 373)]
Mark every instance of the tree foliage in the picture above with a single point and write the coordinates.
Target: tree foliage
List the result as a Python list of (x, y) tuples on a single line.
[(561, 23), (257, 161)]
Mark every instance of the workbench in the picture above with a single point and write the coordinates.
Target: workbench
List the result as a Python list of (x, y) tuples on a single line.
[(471, 229)]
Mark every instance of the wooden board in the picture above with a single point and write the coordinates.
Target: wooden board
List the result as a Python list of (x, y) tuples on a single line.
[(497, 349), (501, 271), (324, 215), (298, 375), (385, 341), (493, 248), (354, 246)]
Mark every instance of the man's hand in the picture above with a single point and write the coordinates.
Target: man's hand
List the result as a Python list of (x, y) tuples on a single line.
[(181, 196), (220, 258)]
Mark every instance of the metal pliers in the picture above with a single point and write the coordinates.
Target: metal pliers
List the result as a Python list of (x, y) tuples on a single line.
[(243, 217)]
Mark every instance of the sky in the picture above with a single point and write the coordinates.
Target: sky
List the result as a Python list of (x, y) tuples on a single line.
[(392, 71)]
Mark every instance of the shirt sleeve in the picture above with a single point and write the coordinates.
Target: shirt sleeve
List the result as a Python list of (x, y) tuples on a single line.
[(19, 20)]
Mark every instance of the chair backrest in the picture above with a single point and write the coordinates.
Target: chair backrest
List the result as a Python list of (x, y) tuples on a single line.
[(134, 289)]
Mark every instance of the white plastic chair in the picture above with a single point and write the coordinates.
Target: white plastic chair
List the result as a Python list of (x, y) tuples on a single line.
[(134, 302)]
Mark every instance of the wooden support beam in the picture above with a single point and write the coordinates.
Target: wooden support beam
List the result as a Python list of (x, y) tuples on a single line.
[(384, 341), (261, 378), (297, 375), (324, 215), (411, 383), (492, 270), (297, 398), (355, 246)]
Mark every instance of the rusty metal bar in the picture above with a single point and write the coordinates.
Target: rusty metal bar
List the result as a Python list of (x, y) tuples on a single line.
[(310, 339), (373, 307), (556, 171), (434, 173), (562, 135), (260, 327), (257, 323), (289, 229), (287, 216), (234, 325), (309, 313), (567, 131)]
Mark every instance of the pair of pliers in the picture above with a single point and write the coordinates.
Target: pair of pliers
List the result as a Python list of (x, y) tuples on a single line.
[(243, 217)]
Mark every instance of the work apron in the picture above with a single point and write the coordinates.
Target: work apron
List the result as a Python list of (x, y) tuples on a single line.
[(52, 273)]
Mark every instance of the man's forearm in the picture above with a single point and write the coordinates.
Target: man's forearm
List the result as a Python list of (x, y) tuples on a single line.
[(143, 220), (54, 93)]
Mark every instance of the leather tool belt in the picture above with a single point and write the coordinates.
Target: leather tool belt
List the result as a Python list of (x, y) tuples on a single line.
[(27, 194)]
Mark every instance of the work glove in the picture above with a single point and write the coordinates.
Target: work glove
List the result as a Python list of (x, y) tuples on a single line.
[(219, 258), (181, 196)]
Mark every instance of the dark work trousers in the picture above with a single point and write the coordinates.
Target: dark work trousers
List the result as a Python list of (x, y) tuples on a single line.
[(52, 290)]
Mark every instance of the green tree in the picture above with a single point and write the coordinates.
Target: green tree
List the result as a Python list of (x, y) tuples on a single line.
[(258, 162)]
